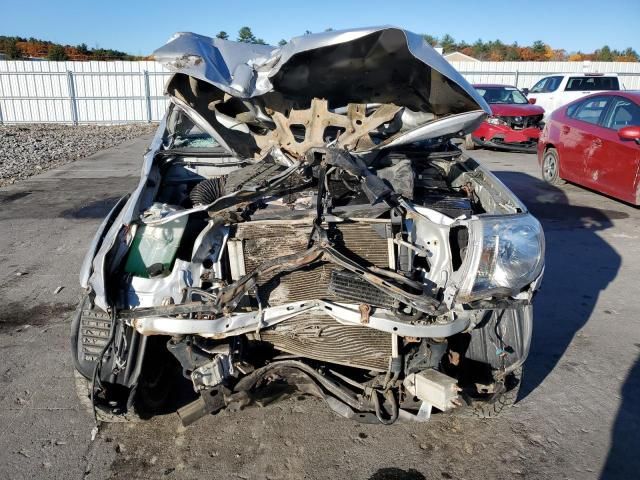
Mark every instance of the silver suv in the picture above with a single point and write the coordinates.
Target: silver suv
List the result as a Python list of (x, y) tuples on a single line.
[(304, 222)]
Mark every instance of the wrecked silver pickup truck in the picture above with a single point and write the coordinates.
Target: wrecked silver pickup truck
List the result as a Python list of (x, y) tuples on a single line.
[(304, 223)]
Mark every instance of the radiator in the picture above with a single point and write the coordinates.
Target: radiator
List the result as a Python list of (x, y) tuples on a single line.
[(254, 242), (318, 336)]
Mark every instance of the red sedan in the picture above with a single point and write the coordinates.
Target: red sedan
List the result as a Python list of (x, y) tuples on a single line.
[(514, 123), (595, 142)]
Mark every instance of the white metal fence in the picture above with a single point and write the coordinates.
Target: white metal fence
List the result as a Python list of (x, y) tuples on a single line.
[(119, 92), (81, 92)]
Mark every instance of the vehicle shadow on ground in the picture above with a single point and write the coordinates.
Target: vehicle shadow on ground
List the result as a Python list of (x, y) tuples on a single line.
[(579, 265), (623, 460)]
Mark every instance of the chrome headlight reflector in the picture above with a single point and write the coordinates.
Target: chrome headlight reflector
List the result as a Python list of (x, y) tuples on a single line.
[(504, 255)]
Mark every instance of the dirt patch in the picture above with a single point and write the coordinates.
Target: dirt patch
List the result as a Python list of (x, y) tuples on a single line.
[(15, 316)]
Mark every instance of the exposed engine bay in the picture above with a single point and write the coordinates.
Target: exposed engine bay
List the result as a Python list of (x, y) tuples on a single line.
[(321, 236)]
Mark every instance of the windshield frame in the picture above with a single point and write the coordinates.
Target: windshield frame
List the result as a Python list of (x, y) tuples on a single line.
[(482, 90), (175, 115)]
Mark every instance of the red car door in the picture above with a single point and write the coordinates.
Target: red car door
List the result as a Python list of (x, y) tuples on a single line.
[(615, 170), (579, 138)]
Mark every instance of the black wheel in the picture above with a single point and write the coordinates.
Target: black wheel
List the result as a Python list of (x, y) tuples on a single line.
[(499, 402), (103, 414), (154, 394), (156, 386), (469, 144), (551, 167)]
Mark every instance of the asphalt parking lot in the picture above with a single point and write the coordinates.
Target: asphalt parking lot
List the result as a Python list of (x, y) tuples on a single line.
[(578, 416)]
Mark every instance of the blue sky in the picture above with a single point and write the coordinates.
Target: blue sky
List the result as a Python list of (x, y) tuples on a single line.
[(138, 27)]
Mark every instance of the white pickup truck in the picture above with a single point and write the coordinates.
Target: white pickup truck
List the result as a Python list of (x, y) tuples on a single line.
[(554, 91)]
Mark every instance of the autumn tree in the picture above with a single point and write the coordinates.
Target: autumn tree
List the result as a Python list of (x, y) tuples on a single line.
[(576, 57)]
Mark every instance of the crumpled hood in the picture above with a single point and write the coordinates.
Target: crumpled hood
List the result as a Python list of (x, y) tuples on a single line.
[(516, 110), (236, 87)]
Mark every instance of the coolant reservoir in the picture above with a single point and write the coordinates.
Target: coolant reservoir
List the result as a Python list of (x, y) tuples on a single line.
[(154, 247)]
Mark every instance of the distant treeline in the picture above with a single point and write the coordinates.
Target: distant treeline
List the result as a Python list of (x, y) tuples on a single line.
[(493, 50), (496, 51), (17, 48)]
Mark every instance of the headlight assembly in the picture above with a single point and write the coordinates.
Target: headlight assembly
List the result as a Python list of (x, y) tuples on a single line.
[(496, 121), (504, 253)]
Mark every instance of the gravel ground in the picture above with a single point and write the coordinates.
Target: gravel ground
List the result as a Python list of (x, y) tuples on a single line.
[(577, 418), (27, 150)]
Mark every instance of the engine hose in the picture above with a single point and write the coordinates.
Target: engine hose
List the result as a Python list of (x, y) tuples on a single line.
[(391, 398), (207, 191)]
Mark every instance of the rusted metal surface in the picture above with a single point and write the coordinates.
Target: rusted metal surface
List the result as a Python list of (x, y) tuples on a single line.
[(365, 311), (315, 121)]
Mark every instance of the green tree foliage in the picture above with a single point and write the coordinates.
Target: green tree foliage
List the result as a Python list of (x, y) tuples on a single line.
[(282, 42), (430, 39), (245, 35), (223, 35), (631, 54), (538, 47), (13, 51), (604, 54), (448, 44), (56, 53)]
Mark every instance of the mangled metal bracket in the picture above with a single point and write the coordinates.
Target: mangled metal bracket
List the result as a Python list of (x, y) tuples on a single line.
[(355, 127)]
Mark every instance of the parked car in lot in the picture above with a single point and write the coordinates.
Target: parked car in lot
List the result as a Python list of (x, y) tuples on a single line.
[(304, 221), (514, 124), (595, 142), (555, 91)]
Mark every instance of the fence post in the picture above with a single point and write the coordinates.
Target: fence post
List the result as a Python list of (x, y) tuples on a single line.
[(72, 97), (517, 76), (147, 95)]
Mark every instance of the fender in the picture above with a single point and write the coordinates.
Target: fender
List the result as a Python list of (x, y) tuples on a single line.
[(86, 269)]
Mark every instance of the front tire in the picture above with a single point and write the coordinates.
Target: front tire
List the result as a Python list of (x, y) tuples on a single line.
[(551, 167), (500, 402), (103, 414)]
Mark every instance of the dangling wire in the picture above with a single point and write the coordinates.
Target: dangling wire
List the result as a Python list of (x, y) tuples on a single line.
[(95, 381)]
